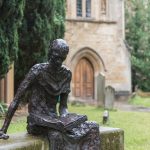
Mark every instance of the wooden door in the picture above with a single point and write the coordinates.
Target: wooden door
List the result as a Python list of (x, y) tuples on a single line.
[(84, 80)]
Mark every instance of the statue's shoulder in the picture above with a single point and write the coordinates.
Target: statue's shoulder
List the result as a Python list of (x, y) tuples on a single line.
[(67, 70), (37, 68)]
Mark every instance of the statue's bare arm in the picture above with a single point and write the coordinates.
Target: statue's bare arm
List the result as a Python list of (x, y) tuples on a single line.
[(63, 108), (26, 83)]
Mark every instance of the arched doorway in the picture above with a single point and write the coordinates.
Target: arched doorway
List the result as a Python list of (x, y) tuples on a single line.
[(84, 80)]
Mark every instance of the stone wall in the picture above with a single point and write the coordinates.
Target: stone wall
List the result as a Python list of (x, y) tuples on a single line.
[(101, 37), (111, 139)]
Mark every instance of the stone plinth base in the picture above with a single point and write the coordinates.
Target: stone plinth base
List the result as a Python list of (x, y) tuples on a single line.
[(24, 141), (111, 139)]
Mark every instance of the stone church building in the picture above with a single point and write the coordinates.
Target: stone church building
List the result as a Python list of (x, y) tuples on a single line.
[(98, 56), (95, 32)]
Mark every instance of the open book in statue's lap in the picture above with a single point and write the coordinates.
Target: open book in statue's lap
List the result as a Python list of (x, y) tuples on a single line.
[(61, 123), (41, 88)]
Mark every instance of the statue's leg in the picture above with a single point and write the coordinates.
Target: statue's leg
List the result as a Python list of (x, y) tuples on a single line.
[(92, 140), (55, 138), (56, 141), (60, 141), (34, 129)]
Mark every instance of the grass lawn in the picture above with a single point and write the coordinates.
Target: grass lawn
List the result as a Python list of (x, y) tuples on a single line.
[(17, 125), (140, 101), (134, 124)]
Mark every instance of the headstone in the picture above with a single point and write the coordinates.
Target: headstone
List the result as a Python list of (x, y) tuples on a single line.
[(100, 81), (109, 97)]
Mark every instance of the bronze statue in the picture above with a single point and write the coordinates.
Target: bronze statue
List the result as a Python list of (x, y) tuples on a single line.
[(42, 88)]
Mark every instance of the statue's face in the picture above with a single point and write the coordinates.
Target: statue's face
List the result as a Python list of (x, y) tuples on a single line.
[(58, 57), (58, 52)]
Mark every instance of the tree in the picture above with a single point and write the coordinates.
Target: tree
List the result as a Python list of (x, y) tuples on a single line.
[(138, 38), (11, 13), (44, 20)]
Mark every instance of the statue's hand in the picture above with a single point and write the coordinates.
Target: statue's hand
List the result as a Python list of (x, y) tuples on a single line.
[(3, 135)]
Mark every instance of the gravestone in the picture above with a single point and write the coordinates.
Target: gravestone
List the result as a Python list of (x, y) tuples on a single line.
[(109, 97), (100, 81)]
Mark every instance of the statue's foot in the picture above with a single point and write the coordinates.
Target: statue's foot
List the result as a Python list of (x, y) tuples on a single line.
[(3, 135), (63, 112)]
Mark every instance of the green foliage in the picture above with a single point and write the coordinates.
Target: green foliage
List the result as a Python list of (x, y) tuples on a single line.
[(18, 124), (11, 13), (138, 38), (37, 22), (140, 101), (3, 109), (43, 22)]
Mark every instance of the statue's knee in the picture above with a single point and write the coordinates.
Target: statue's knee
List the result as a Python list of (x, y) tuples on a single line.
[(55, 135)]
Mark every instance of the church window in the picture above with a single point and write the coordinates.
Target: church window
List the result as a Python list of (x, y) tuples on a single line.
[(88, 8), (79, 8), (83, 8)]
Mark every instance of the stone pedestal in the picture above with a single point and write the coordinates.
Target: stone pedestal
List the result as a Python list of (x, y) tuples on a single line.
[(111, 139), (24, 141)]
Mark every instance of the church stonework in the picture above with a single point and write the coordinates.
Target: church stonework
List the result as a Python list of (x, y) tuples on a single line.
[(95, 33)]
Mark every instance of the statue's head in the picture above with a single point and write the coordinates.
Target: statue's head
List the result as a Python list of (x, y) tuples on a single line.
[(58, 51)]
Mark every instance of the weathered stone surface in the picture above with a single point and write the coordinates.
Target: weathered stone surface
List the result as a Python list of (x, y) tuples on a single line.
[(109, 97), (111, 139), (24, 141), (100, 80), (103, 35)]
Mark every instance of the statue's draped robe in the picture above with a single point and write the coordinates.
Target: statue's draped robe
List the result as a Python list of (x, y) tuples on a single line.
[(46, 87)]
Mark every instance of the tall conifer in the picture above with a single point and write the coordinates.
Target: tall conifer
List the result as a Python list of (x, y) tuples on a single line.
[(11, 13), (44, 20), (138, 38)]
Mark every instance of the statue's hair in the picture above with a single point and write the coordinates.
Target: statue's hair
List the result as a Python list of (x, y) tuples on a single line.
[(59, 45)]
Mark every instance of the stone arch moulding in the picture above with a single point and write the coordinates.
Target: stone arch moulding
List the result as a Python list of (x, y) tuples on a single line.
[(95, 59), (98, 68)]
